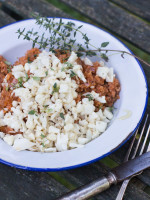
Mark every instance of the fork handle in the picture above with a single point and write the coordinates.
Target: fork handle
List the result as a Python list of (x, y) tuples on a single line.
[(122, 189), (90, 189)]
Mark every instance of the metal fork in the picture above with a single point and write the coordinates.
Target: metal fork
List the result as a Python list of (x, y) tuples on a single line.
[(126, 182)]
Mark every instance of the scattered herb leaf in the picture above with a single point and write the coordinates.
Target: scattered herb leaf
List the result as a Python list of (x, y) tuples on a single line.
[(31, 112), (7, 62), (36, 78), (7, 88), (62, 115), (29, 60), (43, 144), (104, 44), (90, 97), (72, 74), (46, 73), (55, 88), (20, 82), (43, 136), (27, 77), (111, 109), (45, 106), (49, 110)]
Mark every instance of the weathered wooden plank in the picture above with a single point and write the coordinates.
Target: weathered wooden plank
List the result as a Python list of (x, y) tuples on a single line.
[(115, 19), (25, 185), (138, 7), (88, 173), (5, 19), (26, 8)]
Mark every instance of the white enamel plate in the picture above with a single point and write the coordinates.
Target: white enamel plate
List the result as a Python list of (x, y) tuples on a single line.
[(130, 106)]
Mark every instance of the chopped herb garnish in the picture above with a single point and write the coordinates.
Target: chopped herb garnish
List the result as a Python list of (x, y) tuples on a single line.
[(27, 77), (46, 73), (69, 66), (20, 82), (90, 97), (7, 62), (36, 78), (62, 115), (49, 110), (43, 144), (7, 88), (31, 112), (52, 69), (29, 60), (9, 69), (55, 88), (111, 109), (72, 74), (43, 136), (63, 69), (64, 59), (45, 106)]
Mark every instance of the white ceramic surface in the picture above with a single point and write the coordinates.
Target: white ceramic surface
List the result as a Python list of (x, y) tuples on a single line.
[(133, 98)]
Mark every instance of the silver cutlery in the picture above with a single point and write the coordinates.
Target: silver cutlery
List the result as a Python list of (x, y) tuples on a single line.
[(126, 182), (120, 173)]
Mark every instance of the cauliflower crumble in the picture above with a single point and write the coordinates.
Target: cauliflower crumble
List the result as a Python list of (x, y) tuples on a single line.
[(47, 117)]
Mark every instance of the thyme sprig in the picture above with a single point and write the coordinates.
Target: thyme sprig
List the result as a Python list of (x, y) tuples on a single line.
[(62, 36)]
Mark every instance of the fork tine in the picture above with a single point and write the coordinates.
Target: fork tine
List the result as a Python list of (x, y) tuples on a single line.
[(145, 139), (139, 140), (130, 148)]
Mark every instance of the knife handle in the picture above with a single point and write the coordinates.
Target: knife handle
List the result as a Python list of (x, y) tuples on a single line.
[(91, 189)]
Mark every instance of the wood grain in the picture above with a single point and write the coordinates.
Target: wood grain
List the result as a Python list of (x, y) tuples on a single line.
[(16, 184), (5, 19), (138, 7), (26, 8), (115, 19), (83, 175)]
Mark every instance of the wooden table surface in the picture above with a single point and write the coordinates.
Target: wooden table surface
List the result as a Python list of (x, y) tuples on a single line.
[(129, 20)]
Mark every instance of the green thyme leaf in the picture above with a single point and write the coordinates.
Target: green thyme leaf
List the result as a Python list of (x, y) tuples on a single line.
[(42, 136), (111, 109), (104, 44), (69, 65), (90, 97), (49, 110), (62, 115), (7, 62), (45, 106), (43, 144), (36, 78), (46, 73), (27, 77), (20, 82), (105, 57), (72, 74), (7, 88), (31, 112), (55, 88), (9, 69), (29, 60)]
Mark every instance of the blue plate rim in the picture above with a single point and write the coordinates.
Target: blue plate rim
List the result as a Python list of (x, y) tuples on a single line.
[(110, 152)]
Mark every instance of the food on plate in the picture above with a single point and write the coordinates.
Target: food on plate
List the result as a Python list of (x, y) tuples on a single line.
[(55, 101)]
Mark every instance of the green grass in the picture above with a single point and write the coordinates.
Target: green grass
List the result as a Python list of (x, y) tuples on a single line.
[(62, 180)]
